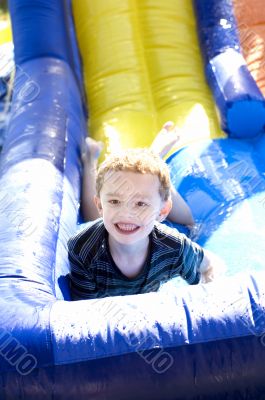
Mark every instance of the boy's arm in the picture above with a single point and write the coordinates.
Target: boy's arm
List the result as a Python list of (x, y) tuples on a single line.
[(161, 145), (88, 207), (180, 211), (89, 154), (211, 267), (197, 265)]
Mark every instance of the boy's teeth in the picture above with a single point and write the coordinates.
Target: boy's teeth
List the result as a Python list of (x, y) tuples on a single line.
[(127, 227)]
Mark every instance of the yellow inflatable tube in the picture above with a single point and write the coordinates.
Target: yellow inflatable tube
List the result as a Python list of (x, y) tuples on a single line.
[(142, 67), (5, 29)]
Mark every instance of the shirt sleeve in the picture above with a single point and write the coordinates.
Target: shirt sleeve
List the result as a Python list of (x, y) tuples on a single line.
[(189, 260), (82, 283)]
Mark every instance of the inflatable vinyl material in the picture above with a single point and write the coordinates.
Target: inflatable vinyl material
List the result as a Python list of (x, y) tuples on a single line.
[(205, 341)]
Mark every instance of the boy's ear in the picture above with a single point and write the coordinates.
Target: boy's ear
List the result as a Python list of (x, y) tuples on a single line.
[(98, 205), (165, 210)]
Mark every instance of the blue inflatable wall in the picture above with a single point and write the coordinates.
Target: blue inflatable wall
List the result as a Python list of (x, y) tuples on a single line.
[(239, 100), (199, 342)]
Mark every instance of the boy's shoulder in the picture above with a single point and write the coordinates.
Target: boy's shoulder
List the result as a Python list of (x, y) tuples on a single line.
[(167, 236), (88, 233)]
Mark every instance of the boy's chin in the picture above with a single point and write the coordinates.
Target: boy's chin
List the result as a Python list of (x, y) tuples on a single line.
[(129, 239), (125, 239)]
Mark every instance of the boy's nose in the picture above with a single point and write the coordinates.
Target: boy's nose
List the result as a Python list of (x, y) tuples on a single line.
[(127, 209)]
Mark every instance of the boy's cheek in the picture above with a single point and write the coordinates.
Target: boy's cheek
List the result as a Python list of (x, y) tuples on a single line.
[(148, 216)]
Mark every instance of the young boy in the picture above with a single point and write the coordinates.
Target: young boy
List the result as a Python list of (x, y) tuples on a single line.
[(128, 250)]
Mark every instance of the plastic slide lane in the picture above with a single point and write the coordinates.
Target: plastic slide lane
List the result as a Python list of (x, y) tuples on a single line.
[(199, 342), (142, 66)]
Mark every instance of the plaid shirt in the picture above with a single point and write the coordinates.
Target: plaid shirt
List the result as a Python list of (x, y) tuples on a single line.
[(94, 274)]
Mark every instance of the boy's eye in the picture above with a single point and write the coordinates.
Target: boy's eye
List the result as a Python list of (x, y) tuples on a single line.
[(114, 201), (141, 204)]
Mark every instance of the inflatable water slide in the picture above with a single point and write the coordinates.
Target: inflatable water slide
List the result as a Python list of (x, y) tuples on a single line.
[(126, 67)]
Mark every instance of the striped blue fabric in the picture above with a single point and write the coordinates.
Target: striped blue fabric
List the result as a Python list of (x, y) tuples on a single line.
[(94, 274)]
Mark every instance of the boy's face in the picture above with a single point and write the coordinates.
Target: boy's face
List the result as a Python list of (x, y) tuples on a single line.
[(130, 204)]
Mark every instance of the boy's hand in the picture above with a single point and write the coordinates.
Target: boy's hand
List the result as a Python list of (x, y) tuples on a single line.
[(90, 150), (212, 267)]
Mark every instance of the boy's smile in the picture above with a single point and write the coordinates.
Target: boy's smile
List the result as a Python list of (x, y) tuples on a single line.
[(126, 229)]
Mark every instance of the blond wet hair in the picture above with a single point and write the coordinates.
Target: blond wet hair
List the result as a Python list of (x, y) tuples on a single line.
[(141, 161)]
